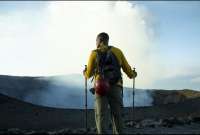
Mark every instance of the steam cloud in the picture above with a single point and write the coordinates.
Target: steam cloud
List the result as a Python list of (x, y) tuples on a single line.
[(63, 92), (64, 38), (58, 38), (73, 27)]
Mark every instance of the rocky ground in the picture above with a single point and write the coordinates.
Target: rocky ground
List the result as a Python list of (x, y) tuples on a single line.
[(18, 117), (162, 126), (163, 97), (173, 112)]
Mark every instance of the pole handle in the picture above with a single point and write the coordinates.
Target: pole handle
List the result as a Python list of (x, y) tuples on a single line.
[(85, 71)]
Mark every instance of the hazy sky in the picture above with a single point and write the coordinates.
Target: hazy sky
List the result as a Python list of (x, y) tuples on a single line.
[(49, 38)]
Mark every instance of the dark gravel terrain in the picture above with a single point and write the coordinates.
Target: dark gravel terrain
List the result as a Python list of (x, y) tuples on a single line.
[(19, 117)]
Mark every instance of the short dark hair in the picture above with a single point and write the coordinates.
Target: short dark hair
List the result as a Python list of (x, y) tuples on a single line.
[(104, 37)]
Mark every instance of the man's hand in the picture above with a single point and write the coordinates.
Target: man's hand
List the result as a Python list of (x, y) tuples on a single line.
[(134, 74), (84, 70)]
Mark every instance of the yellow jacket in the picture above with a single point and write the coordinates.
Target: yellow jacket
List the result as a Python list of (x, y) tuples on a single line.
[(120, 57)]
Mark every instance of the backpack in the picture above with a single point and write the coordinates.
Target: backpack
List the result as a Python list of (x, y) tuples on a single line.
[(107, 66)]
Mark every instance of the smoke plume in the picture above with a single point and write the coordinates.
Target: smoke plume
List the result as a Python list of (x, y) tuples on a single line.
[(61, 38), (64, 92), (58, 37)]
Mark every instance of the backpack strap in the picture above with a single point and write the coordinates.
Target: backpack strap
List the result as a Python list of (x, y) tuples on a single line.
[(97, 69), (116, 60), (97, 62)]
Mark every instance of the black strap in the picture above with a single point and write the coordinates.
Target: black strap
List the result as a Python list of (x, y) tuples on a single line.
[(109, 49), (98, 57)]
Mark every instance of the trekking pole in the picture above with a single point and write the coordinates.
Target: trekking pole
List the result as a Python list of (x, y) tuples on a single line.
[(133, 94), (85, 100)]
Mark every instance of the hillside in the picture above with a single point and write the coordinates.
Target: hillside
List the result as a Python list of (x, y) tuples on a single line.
[(25, 116), (18, 114), (55, 105), (173, 96)]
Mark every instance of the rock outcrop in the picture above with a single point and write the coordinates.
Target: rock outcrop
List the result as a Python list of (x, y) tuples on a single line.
[(163, 97)]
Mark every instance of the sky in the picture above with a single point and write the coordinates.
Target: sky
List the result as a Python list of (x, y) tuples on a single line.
[(159, 38)]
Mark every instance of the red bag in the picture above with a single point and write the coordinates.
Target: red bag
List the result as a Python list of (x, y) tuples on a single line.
[(102, 86)]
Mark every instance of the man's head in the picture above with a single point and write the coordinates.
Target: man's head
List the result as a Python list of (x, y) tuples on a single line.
[(102, 38)]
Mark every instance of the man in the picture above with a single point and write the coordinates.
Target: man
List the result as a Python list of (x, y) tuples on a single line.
[(113, 98)]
